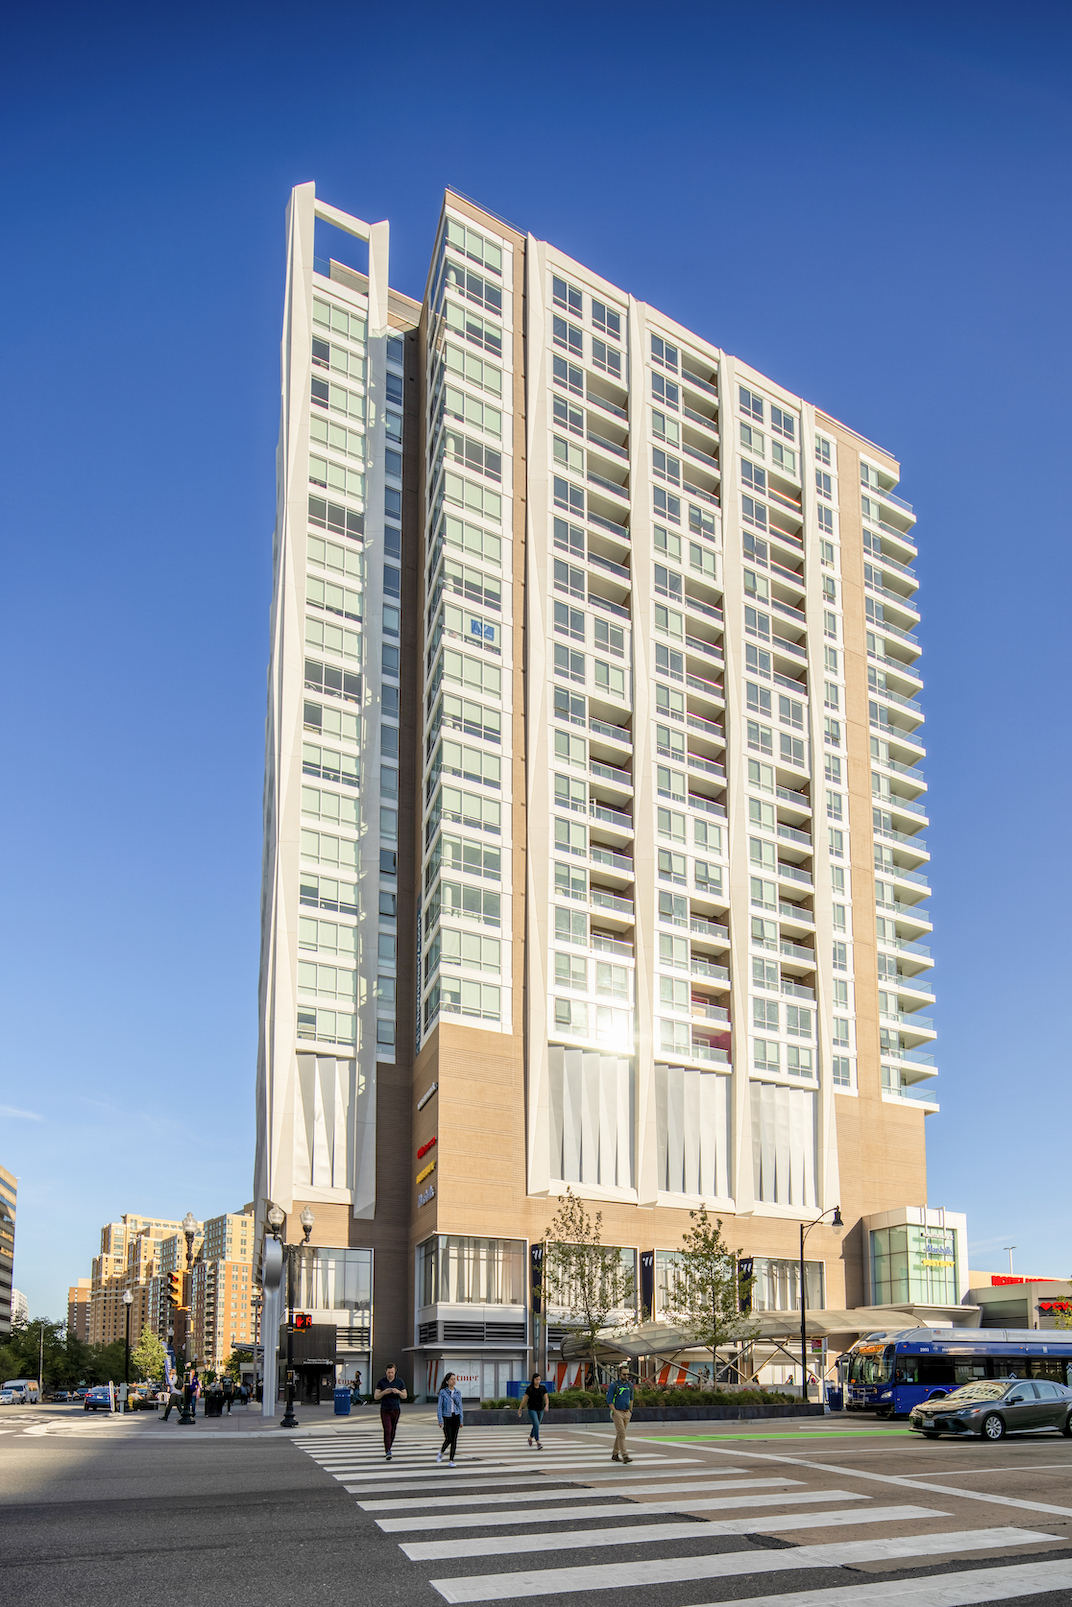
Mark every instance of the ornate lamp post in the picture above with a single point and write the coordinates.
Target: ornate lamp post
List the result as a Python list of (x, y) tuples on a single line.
[(837, 1224), (189, 1228), (128, 1301), (276, 1219)]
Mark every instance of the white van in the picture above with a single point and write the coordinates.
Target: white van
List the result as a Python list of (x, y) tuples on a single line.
[(27, 1391)]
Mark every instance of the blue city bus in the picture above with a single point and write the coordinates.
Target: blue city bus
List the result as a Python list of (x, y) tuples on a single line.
[(889, 1372)]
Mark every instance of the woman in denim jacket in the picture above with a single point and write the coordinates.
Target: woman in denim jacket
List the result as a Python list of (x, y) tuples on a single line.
[(449, 1413)]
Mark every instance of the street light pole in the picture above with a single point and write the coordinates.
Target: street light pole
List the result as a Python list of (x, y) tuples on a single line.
[(276, 1219), (837, 1224), (128, 1301), (189, 1228)]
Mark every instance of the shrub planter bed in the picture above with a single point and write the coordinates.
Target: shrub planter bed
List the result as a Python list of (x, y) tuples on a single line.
[(645, 1414)]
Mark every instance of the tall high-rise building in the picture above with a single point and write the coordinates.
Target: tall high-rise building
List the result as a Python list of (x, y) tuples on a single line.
[(9, 1190), (78, 1310), (130, 1256), (221, 1291), (593, 805)]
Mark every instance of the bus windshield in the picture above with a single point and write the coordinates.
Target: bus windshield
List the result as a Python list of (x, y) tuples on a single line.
[(872, 1364)]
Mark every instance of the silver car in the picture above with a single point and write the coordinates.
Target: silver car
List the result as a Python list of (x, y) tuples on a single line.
[(995, 1407)]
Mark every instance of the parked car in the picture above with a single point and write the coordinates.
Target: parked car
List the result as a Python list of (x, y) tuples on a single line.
[(98, 1399), (80, 1393), (7, 1397), (60, 1397), (27, 1390), (995, 1407)]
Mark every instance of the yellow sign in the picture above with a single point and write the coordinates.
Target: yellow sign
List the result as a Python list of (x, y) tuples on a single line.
[(429, 1169)]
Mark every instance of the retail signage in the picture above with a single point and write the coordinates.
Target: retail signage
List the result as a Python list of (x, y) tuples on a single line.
[(427, 1172), (647, 1284), (429, 1194), (536, 1275), (745, 1265), (423, 1151), (426, 1096)]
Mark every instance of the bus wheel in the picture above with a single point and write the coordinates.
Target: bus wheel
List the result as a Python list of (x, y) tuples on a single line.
[(993, 1427)]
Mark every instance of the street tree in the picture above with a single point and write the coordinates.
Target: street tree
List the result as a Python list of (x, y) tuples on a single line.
[(705, 1295), (584, 1277), (233, 1366), (148, 1356)]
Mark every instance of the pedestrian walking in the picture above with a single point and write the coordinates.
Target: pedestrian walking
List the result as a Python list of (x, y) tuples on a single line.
[(355, 1391), (534, 1401), (449, 1413), (620, 1401), (390, 1392)]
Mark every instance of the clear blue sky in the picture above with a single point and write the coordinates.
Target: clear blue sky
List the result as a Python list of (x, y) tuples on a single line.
[(868, 201)]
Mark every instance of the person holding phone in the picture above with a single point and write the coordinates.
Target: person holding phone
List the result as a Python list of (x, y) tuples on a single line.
[(390, 1392)]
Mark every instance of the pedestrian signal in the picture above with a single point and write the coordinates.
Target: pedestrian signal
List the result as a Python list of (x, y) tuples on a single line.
[(302, 1319)]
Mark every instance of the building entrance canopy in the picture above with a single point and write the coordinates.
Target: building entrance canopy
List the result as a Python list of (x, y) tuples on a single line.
[(767, 1327)]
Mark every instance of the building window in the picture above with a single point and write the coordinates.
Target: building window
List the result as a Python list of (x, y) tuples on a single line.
[(567, 296), (751, 404)]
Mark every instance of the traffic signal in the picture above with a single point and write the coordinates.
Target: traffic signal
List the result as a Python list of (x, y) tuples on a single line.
[(302, 1319), (174, 1289)]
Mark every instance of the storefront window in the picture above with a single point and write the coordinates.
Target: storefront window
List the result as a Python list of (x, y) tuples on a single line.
[(775, 1286), (335, 1280), (457, 1270), (914, 1264)]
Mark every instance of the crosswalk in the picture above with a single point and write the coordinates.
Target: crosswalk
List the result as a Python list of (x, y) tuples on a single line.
[(509, 1522)]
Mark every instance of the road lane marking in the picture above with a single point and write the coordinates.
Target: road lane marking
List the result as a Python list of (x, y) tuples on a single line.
[(912, 1482), (631, 1510), (965, 1589), (574, 1493), (724, 1565), (582, 1539)]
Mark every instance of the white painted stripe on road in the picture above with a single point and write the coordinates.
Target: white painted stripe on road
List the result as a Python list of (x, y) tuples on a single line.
[(574, 1493), (707, 1503), (438, 1470), (940, 1590), (575, 1485), (724, 1565), (580, 1539), (903, 1481)]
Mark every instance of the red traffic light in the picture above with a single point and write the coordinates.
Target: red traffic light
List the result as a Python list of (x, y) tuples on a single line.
[(302, 1319)]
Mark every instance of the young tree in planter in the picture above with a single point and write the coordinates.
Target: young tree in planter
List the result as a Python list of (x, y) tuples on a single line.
[(705, 1300), (581, 1274), (147, 1357)]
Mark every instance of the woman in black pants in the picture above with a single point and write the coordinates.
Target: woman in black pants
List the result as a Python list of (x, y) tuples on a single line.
[(449, 1413)]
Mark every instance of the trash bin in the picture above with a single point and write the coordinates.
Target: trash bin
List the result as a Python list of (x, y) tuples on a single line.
[(835, 1399), (214, 1403), (342, 1401), (513, 1389)]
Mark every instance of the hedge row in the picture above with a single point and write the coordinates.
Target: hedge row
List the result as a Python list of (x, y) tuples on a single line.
[(658, 1397)]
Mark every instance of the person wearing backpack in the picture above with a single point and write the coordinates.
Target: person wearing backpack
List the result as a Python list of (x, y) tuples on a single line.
[(620, 1401)]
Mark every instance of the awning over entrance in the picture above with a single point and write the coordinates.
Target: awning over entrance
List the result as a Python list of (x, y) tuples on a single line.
[(769, 1327)]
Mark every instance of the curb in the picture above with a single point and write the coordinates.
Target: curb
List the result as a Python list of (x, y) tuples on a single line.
[(649, 1414)]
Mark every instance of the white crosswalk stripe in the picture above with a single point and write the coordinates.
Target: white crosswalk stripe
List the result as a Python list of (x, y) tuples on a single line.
[(505, 1501), (646, 1534), (705, 1503), (571, 1493), (723, 1565)]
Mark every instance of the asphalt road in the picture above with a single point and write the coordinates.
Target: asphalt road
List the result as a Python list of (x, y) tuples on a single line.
[(834, 1512)]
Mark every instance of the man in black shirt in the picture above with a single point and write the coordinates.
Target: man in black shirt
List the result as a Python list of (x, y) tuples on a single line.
[(390, 1392)]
